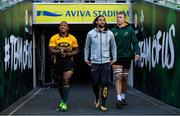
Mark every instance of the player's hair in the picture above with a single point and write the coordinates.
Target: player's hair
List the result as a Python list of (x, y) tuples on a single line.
[(122, 12), (63, 22), (96, 19)]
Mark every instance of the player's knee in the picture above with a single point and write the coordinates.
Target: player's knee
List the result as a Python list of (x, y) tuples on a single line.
[(118, 73), (68, 74), (119, 77), (125, 74), (124, 79), (66, 81)]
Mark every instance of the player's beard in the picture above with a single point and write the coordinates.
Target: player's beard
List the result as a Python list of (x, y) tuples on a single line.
[(101, 26)]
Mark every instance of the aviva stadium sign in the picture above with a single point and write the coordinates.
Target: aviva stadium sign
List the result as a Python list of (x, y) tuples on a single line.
[(77, 13)]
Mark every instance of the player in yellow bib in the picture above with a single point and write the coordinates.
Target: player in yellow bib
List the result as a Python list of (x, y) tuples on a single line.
[(63, 46)]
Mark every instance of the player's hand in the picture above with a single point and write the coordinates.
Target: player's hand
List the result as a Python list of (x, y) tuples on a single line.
[(137, 58), (68, 54), (112, 62), (63, 54), (59, 50), (89, 63)]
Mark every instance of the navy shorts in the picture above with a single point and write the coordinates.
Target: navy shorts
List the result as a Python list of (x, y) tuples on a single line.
[(125, 62), (64, 67)]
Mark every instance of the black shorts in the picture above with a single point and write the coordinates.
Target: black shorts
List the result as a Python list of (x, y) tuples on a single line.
[(125, 62), (64, 66)]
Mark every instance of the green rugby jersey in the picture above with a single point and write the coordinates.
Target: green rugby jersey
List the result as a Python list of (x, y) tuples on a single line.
[(125, 37)]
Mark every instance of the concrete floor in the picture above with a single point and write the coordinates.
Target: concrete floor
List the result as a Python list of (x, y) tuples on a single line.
[(43, 101)]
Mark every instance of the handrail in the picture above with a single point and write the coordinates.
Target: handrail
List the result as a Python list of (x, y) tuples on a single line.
[(8, 3), (174, 4)]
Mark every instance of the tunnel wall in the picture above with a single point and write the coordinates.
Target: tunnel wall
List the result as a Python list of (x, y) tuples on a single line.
[(16, 74), (158, 30)]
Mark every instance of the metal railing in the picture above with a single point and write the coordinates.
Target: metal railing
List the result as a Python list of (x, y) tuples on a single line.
[(175, 4), (7, 3)]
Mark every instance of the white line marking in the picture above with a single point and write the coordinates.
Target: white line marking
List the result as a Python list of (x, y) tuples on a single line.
[(24, 103)]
